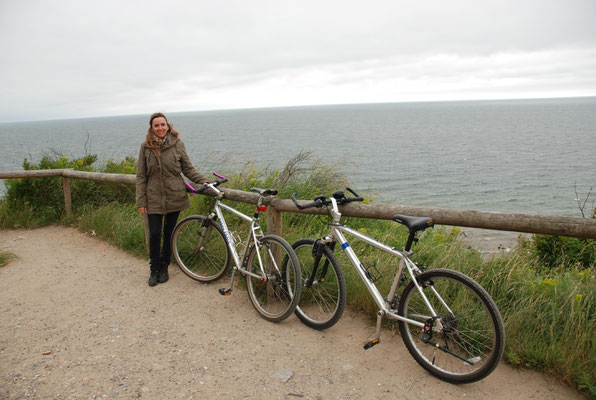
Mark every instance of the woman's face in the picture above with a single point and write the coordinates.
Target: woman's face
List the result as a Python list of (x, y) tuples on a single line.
[(159, 127)]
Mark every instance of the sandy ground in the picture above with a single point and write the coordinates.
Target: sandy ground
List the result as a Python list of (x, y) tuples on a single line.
[(77, 320), (491, 243)]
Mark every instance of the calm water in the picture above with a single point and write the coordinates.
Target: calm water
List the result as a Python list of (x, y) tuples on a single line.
[(512, 155)]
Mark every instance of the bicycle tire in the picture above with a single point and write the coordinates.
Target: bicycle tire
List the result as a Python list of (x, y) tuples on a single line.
[(206, 262), (322, 304), (474, 331), (275, 298)]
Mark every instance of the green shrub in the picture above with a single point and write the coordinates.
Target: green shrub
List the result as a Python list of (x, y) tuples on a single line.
[(40, 201), (554, 251)]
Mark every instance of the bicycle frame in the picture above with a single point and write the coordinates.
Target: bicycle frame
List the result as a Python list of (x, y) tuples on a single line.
[(337, 234), (254, 234)]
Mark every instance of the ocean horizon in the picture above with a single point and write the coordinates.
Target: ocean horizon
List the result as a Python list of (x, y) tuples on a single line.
[(526, 156)]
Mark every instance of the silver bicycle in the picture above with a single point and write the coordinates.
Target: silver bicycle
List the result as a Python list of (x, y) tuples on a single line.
[(204, 248), (448, 322)]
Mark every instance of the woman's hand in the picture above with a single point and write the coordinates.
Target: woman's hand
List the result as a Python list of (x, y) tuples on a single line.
[(143, 210)]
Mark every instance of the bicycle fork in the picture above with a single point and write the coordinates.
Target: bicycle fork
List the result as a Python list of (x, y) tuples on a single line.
[(317, 254)]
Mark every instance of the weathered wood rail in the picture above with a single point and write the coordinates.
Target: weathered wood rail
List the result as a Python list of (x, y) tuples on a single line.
[(527, 223)]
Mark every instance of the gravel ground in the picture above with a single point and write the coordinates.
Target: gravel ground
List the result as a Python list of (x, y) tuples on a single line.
[(77, 320)]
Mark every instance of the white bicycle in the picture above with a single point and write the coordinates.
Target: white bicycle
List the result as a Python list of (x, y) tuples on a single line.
[(448, 322), (204, 248)]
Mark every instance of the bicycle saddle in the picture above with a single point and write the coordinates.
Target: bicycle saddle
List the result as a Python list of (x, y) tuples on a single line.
[(264, 192), (414, 224)]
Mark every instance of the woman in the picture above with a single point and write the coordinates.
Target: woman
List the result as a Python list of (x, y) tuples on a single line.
[(160, 190)]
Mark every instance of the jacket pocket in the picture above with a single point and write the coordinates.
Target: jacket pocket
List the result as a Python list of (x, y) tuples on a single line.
[(175, 184)]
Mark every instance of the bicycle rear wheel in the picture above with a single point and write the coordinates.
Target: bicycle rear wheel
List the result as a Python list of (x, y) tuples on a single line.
[(275, 298), (472, 333), (200, 248), (322, 302)]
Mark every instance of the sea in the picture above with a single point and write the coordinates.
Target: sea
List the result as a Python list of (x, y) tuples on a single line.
[(535, 156)]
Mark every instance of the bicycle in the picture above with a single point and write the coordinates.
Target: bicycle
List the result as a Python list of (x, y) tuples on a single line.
[(448, 322), (204, 250)]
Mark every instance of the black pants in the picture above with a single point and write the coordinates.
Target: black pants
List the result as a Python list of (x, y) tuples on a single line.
[(157, 257)]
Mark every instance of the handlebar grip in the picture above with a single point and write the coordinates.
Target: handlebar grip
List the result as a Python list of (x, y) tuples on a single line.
[(352, 199), (192, 190), (317, 203), (220, 176)]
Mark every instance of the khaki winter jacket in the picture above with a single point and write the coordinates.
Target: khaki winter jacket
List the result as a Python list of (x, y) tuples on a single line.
[(160, 187)]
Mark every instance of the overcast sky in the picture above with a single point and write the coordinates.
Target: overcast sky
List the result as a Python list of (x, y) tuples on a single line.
[(71, 59)]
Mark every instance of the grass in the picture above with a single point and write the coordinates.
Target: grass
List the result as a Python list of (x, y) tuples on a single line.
[(548, 312), (4, 257)]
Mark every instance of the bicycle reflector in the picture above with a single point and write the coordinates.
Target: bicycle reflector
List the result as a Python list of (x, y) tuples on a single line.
[(262, 208)]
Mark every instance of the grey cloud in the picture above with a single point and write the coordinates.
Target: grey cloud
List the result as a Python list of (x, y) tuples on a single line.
[(73, 52)]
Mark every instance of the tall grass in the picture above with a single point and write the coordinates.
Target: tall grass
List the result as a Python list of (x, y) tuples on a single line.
[(548, 311)]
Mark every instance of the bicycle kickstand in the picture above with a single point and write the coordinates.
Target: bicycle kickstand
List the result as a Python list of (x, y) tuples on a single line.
[(377, 337), (228, 291)]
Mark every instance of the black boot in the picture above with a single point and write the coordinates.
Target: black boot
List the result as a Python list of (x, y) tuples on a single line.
[(163, 273), (154, 277)]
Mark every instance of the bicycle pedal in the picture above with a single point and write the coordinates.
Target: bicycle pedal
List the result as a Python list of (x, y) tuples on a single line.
[(371, 343), (225, 292)]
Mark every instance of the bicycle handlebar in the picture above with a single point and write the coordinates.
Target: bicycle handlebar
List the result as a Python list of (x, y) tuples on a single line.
[(318, 202), (203, 187), (321, 201), (357, 196)]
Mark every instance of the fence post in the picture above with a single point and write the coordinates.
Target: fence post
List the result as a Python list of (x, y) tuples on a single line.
[(274, 221), (67, 196)]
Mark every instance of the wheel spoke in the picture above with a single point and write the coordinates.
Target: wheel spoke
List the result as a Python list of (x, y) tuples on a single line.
[(204, 258), (472, 327), (276, 297)]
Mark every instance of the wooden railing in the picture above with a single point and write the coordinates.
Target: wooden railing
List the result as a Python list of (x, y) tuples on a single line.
[(528, 223)]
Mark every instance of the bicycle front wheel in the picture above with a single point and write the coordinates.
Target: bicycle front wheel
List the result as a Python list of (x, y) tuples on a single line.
[(276, 295), (323, 296), (200, 248), (472, 338)]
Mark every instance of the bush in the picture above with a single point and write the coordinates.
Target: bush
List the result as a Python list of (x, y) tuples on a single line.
[(555, 251), (40, 201)]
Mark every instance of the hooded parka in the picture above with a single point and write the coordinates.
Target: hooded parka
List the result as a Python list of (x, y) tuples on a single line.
[(160, 186)]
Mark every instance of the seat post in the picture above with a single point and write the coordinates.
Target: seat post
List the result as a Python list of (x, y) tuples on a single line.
[(411, 239)]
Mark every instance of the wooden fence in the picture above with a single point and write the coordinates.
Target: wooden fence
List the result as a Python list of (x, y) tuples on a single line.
[(528, 223)]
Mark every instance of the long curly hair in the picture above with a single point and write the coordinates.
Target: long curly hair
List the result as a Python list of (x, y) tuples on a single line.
[(153, 141)]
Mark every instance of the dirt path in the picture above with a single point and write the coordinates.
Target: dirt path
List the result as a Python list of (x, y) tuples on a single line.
[(77, 320)]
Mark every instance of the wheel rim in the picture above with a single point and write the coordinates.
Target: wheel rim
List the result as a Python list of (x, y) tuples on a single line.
[(469, 331), (319, 302), (207, 261), (273, 297)]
